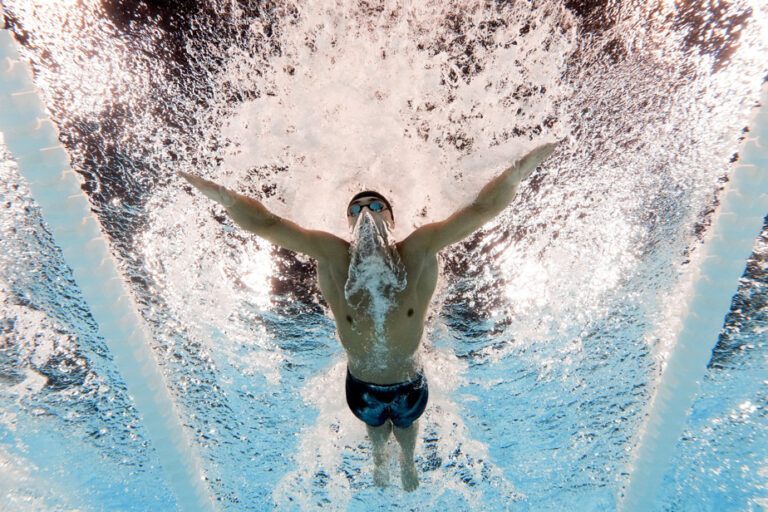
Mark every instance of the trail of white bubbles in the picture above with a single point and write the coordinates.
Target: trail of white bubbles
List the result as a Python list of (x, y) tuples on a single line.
[(334, 465)]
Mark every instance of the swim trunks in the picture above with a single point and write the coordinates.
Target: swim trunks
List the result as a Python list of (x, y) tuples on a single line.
[(374, 404)]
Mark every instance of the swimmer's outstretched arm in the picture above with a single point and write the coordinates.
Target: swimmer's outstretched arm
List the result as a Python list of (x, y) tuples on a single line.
[(490, 202), (250, 214)]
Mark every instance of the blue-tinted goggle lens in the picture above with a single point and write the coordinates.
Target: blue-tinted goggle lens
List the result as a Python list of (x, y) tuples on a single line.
[(375, 206)]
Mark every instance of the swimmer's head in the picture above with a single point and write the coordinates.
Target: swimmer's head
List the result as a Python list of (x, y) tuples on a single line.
[(374, 202)]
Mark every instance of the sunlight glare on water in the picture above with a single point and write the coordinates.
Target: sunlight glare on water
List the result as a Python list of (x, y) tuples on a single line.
[(550, 327), (376, 97)]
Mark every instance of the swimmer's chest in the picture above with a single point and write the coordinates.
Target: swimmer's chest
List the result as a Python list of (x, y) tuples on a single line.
[(412, 302)]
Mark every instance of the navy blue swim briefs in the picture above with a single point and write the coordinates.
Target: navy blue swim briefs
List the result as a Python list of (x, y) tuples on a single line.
[(374, 404)]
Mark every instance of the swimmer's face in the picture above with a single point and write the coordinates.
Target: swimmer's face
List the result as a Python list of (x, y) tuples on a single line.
[(375, 205)]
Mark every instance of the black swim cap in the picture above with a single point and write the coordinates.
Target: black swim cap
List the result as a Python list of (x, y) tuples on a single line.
[(371, 193)]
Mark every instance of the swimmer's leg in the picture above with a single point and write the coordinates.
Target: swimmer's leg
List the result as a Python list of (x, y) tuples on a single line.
[(406, 437), (379, 437)]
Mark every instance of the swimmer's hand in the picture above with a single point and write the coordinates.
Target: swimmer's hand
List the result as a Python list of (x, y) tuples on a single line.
[(491, 201), (210, 189), (531, 161)]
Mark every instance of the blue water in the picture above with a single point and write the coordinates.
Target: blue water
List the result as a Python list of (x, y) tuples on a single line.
[(550, 328)]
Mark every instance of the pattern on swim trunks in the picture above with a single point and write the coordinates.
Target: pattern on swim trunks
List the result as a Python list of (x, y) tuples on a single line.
[(374, 404)]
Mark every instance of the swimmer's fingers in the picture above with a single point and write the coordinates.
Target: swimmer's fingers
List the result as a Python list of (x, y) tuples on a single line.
[(538, 155), (532, 160), (209, 189)]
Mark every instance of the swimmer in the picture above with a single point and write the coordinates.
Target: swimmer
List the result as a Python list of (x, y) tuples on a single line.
[(379, 290)]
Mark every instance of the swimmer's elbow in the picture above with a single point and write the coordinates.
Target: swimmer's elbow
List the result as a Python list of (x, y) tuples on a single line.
[(260, 224), (484, 209), (494, 197), (252, 215)]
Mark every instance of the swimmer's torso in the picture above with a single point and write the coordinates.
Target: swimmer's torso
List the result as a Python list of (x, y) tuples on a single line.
[(392, 359)]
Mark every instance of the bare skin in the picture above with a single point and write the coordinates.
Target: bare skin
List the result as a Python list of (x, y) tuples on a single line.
[(404, 324)]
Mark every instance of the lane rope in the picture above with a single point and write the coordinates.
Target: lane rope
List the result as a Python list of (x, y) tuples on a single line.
[(33, 140), (735, 225)]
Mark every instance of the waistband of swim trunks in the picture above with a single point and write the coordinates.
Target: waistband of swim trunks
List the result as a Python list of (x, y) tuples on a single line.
[(416, 382)]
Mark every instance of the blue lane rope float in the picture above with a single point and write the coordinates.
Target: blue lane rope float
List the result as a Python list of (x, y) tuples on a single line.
[(731, 239), (33, 140)]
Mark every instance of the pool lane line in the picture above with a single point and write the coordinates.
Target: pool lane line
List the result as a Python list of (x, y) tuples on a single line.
[(730, 242), (33, 141)]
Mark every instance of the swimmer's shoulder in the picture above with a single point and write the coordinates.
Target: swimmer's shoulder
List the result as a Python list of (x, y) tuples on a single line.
[(419, 259), (419, 244), (332, 249)]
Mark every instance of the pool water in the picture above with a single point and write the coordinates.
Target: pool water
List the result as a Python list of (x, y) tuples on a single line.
[(551, 326)]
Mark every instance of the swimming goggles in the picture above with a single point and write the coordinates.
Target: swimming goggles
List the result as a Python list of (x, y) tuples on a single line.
[(374, 206)]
